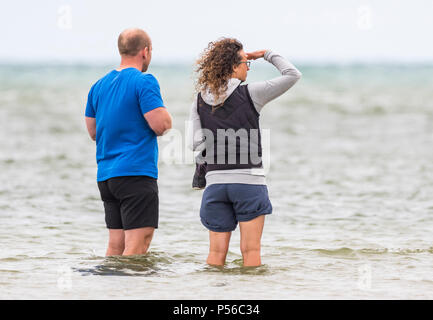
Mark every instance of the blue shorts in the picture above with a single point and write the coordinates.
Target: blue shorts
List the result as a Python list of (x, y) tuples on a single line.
[(223, 205)]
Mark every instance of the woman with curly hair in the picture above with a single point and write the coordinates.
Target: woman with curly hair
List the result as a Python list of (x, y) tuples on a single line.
[(224, 127)]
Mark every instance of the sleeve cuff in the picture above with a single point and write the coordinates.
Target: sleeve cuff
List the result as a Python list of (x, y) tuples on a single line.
[(268, 55)]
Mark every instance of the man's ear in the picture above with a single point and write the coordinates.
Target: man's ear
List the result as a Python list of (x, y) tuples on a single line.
[(145, 52)]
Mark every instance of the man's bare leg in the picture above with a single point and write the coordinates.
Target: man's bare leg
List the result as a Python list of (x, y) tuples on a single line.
[(251, 234), (137, 241), (219, 245), (116, 242)]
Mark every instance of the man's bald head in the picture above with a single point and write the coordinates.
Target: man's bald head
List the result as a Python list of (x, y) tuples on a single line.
[(131, 41)]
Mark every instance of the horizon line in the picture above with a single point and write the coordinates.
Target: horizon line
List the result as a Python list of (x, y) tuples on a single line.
[(187, 62)]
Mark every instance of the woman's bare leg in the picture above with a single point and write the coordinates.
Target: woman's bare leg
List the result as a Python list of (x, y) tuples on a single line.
[(251, 234), (219, 245)]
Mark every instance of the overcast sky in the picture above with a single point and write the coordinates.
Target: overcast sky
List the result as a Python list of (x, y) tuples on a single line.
[(302, 30)]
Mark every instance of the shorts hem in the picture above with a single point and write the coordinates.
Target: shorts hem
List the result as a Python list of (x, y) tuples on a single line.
[(253, 216), (131, 228), (218, 229), (146, 226), (112, 228)]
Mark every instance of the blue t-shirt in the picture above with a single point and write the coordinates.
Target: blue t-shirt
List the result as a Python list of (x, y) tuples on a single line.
[(125, 143)]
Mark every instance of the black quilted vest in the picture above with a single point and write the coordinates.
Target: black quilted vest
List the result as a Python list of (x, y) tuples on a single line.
[(231, 131)]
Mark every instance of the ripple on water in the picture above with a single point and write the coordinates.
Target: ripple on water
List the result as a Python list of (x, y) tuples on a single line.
[(236, 268), (152, 263), (349, 253), (340, 252), (24, 258), (9, 271)]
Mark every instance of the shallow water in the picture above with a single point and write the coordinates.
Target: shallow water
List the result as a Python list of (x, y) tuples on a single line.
[(350, 179)]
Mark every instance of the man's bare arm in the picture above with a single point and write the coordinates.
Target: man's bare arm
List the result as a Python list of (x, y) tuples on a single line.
[(159, 120), (91, 127)]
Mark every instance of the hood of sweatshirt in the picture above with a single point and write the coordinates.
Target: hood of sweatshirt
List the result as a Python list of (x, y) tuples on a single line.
[(209, 98)]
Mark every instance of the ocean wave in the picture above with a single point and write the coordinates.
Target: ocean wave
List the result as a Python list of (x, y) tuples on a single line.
[(349, 252)]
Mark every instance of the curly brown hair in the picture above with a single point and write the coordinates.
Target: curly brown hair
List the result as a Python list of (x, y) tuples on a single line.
[(215, 65)]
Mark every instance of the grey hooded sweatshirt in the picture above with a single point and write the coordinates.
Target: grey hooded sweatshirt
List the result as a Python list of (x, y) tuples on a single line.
[(261, 93)]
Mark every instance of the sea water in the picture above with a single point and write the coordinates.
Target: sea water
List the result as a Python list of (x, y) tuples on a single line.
[(350, 177)]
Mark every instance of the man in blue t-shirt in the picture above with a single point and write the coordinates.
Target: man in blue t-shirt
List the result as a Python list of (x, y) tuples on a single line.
[(124, 115)]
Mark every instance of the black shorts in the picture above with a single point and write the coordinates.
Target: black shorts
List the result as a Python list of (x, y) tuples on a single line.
[(130, 202)]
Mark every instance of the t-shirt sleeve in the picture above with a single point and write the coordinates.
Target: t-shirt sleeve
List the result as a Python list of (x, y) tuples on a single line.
[(149, 93), (90, 109)]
